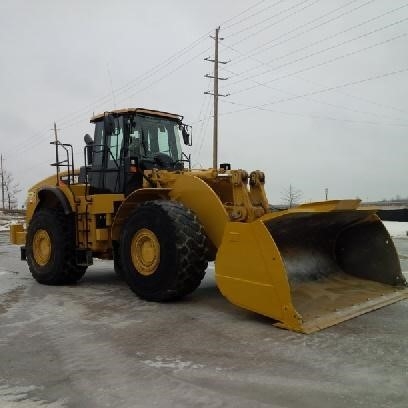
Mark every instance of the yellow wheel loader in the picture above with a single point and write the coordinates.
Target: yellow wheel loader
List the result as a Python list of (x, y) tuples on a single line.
[(137, 201)]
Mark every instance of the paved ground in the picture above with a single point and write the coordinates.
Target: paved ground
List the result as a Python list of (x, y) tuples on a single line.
[(97, 345)]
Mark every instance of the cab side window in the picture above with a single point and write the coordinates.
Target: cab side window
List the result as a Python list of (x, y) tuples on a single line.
[(115, 143), (98, 144)]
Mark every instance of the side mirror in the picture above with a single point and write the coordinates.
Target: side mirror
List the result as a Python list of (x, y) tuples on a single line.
[(89, 148), (187, 139), (88, 139)]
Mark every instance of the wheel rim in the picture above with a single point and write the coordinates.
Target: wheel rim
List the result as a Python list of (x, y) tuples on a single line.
[(41, 247), (145, 252)]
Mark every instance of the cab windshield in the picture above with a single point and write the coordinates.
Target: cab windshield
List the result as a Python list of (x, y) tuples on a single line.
[(149, 136)]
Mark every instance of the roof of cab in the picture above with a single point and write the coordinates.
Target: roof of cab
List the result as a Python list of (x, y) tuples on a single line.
[(143, 111)]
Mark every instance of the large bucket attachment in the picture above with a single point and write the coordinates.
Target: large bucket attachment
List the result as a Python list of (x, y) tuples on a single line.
[(310, 267)]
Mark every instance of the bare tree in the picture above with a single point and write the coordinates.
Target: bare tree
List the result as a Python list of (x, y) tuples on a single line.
[(9, 190), (291, 196)]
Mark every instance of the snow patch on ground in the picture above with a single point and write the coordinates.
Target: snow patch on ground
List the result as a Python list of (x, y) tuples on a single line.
[(174, 363), (6, 220), (19, 397), (397, 229)]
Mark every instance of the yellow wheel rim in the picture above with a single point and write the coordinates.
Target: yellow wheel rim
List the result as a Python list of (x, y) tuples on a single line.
[(145, 251), (41, 247)]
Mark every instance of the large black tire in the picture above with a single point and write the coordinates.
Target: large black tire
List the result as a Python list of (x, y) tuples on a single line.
[(50, 248), (172, 247)]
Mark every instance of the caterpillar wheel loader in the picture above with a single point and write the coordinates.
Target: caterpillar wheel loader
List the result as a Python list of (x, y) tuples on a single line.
[(137, 201)]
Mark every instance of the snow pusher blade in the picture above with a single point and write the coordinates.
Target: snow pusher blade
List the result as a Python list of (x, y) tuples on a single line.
[(310, 267)]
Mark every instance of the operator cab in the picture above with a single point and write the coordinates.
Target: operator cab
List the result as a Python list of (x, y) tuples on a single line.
[(129, 141)]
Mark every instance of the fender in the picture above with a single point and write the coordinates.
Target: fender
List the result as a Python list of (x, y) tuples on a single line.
[(53, 197), (46, 193), (200, 198)]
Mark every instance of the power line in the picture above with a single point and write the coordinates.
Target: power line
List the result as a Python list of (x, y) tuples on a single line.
[(325, 39), (204, 121), (78, 116), (297, 96), (329, 61), (263, 108), (140, 90), (203, 100), (365, 100), (243, 12), (252, 15), (260, 48), (169, 60), (142, 77), (73, 121), (276, 22), (161, 65), (329, 89), (204, 126)]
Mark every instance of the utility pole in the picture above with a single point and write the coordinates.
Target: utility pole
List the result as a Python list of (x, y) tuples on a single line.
[(2, 182), (215, 94)]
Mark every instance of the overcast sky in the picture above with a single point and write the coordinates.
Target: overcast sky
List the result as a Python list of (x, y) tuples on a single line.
[(318, 88)]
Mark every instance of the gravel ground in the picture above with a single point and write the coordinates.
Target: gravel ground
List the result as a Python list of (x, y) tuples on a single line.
[(97, 345)]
